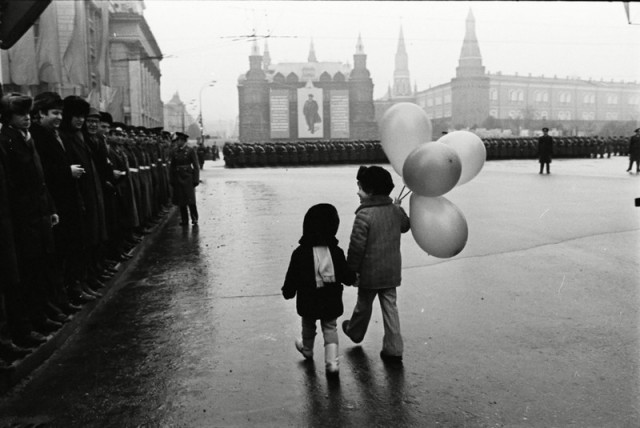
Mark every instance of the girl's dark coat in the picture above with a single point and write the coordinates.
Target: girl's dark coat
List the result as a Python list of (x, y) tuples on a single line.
[(312, 302)]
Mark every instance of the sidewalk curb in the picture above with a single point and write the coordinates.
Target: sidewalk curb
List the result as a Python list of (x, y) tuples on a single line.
[(21, 369)]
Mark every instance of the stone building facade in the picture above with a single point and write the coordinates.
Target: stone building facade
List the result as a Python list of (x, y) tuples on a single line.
[(475, 98), (275, 99), (103, 51)]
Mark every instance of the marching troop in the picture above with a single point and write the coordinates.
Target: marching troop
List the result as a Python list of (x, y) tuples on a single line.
[(240, 155), (77, 193)]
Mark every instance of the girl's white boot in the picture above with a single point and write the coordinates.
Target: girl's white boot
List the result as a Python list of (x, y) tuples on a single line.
[(331, 358)]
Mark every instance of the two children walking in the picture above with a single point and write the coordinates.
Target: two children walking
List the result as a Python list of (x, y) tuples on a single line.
[(318, 268)]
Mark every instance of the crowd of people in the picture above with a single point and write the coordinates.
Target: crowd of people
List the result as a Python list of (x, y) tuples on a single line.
[(77, 193), (241, 155)]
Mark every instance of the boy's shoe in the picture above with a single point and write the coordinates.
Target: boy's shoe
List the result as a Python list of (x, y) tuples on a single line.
[(345, 325), (391, 359), (305, 353)]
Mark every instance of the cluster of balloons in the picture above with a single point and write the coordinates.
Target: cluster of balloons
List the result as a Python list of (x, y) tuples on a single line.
[(430, 169)]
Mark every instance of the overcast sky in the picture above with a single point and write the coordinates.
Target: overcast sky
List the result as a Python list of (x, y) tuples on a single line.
[(211, 40)]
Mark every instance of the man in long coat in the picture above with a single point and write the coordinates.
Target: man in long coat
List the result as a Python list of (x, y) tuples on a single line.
[(545, 150), (185, 176), (634, 151), (33, 215), (61, 178)]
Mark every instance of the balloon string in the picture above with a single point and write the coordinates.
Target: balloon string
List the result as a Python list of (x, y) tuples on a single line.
[(401, 191), (406, 194)]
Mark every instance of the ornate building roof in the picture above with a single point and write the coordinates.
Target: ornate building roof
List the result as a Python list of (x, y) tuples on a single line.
[(312, 70)]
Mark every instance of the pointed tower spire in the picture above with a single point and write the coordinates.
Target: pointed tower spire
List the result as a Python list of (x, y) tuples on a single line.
[(266, 57), (401, 76), (312, 53), (360, 62), (470, 62), (255, 50), (359, 45)]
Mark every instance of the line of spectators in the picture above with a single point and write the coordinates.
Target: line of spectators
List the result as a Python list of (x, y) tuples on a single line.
[(77, 194)]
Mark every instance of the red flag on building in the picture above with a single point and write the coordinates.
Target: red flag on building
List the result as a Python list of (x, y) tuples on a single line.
[(74, 61), (22, 61), (48, 47)]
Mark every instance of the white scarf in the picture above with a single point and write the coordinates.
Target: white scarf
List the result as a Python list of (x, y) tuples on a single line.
[(323, 266)]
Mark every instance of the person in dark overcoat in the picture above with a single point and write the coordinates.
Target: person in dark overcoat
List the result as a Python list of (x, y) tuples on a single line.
[(185, 177), (74, 113), (634, 151), (9, 275), (316, 272), (61, 178), (545, 150), (33, 215)]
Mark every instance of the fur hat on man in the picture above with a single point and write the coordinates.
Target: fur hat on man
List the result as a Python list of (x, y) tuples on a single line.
[(75, 106), (106, 117), (375, 180), (46, 101), (15, 103)]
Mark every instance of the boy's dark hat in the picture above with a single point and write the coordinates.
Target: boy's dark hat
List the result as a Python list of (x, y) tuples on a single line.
[(15, 103), (46, 101), (637, 129), (106, 117), (375, 180), (93, 112), (545, 129), (75, 106), (180, 136)]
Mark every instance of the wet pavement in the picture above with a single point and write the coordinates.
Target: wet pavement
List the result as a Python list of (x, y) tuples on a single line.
[(534, 324)]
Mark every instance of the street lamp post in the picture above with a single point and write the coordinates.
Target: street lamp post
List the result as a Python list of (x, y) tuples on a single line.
[(206, 85)]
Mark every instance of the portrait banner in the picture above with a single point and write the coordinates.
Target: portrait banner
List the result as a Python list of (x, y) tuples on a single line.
[(310, 113)]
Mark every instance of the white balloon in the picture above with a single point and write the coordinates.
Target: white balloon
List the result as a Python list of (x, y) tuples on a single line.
[(402, 128), (471, 151), (437, 225)]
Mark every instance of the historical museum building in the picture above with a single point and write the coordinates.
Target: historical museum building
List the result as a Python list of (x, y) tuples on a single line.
[(475, 98), (308, 100), (103, 51)]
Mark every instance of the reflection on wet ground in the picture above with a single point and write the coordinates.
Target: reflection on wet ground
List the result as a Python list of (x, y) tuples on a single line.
[(200, 335)]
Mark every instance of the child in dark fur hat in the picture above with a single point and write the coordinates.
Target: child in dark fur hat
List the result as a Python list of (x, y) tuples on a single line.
[(316, 273), (374, 254)]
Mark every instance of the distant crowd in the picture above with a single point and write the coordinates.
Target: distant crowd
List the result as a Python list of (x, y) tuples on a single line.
[(241, 155)]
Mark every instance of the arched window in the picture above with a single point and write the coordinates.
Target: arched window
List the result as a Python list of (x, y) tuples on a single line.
[(338, 77), (278, 78), (612, 99), (325, 77), (292, 77), (493, 94)]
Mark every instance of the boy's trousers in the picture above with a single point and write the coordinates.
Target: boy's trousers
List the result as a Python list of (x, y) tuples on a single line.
[(392, 342)]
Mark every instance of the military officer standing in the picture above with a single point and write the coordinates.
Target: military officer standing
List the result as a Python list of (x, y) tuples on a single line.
[(185, 176), (545, 149)]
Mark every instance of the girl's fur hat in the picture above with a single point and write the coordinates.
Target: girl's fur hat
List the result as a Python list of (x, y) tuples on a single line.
[(75, 106), (46, 101), (375, 180), (15, 103)]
